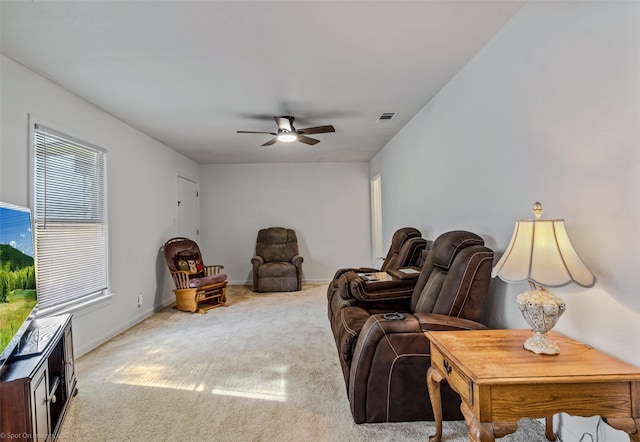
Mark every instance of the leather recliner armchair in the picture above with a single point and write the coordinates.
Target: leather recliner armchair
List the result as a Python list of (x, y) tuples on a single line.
[(277, 266), (380, 337), (407, 249)]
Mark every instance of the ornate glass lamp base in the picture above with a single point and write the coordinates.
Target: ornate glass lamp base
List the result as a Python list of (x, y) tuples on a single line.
[(540, 344)]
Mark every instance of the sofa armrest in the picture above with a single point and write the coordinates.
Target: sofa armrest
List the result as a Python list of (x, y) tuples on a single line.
[(340, 272), (375, 291), (390, 360), (181, 279), (213, 269), (436, 322), (297, 261), (256, 262), (405, 273)]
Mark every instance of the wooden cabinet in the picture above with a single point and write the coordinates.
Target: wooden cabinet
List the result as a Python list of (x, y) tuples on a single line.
[(35, 391)]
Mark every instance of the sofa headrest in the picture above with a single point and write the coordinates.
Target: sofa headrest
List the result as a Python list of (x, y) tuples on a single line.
[(401, 236), (447, 245), (276, 244), (276, 235)]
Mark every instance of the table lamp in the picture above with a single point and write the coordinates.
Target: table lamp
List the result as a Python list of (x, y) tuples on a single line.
[(540, 252)]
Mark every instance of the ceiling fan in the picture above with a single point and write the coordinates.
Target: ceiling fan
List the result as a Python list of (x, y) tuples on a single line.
[(288, 133)]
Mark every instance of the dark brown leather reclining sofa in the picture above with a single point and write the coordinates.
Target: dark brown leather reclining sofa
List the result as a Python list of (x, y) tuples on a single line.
[(406, 250), (384, 355)]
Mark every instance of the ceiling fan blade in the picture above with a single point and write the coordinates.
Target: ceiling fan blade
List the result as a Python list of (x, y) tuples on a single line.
[(251, 132), (317, 130), (284, 123), (271, 141), (307, 140)]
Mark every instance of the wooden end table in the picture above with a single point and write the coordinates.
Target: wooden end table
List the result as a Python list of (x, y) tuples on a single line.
[(500, 382)]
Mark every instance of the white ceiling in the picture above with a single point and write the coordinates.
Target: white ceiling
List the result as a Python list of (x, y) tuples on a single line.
[(190, 74)]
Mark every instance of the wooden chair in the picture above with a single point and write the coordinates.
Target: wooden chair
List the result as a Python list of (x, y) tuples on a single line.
[(198, 287)]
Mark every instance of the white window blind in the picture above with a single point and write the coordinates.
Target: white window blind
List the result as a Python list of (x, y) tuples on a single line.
[(70, 219)]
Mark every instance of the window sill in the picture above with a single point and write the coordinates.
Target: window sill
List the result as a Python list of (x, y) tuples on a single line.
[(76, 306)]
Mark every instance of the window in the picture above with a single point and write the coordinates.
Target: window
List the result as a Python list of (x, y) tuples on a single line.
[(70, 219)]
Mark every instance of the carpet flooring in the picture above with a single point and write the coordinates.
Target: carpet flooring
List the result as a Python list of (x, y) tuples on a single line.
[(264, 368)]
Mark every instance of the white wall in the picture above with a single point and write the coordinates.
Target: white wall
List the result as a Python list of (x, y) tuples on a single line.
[(141, 191), (327, 204), (548, 110)]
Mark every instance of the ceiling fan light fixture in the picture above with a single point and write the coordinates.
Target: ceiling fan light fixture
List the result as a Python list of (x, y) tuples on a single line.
[(287, 137), (287, 133)]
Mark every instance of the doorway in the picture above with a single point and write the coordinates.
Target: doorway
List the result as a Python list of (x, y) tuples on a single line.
[(376, 220), (188, 221)]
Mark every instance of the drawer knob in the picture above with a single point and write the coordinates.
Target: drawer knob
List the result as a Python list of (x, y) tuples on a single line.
[(447, 367)]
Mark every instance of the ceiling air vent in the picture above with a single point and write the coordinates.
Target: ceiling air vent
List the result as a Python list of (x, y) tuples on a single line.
[(387, 116)]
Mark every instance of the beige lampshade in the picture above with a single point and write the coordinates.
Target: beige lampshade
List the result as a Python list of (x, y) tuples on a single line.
[(540, 251)]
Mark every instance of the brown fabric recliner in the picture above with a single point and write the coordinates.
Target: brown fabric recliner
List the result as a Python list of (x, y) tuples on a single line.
[(406, 250), (277, 266), (384, 355)]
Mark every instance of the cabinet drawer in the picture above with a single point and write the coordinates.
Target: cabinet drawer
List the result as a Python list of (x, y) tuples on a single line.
[(453, 376)]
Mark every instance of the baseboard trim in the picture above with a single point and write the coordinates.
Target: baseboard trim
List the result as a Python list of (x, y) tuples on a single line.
[(304, 281), (99, 340)]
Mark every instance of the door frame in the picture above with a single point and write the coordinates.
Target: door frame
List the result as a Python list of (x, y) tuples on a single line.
[(187, 177), (376, 219)]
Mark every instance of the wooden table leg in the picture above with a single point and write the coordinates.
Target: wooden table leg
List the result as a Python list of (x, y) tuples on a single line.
[(627, 424), (485, 431), (548, 428), (433, 384), (478, 431)]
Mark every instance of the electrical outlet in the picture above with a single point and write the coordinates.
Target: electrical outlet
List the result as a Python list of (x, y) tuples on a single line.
[(140, 299)]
